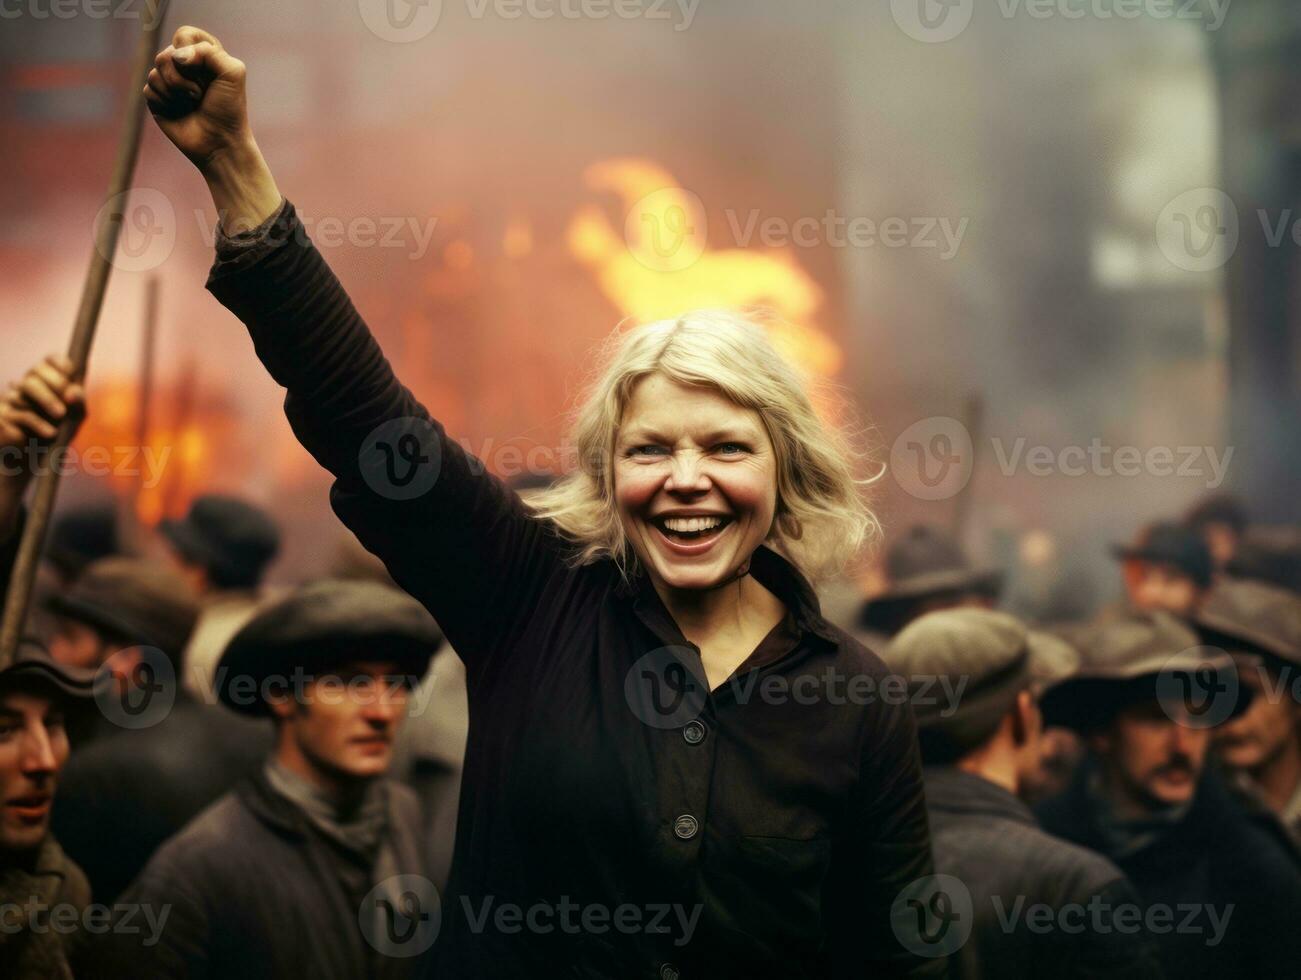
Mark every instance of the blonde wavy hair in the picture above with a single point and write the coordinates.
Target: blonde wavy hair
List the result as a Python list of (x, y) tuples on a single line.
[(821, 520)]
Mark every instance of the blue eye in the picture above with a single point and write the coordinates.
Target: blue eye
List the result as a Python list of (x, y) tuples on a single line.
[(732, 448), (648, 450)]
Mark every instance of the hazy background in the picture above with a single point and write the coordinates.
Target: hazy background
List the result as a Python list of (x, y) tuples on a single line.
[(499, 192)]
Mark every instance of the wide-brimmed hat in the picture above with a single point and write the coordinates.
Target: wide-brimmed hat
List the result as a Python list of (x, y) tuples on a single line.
[(135, 600), (989, 657), (319, 627), (1242, 615), (231, 538), (1171, 544), (924, 562), (33, 666), (1140, 657)]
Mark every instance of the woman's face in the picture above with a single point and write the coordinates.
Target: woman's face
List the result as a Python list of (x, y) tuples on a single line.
[(695, 481)]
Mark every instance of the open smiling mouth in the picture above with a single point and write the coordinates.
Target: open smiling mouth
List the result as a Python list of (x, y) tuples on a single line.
[(691, 530)]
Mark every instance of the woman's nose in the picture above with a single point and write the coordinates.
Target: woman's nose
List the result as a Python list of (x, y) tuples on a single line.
[(687, 473)]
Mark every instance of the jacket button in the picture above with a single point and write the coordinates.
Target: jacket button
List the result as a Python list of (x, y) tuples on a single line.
[(686, 826), (694, 733), (669, 972)]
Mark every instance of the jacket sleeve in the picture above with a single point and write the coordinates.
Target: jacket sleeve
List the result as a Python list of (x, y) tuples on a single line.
[(450, 533), (885, 849)]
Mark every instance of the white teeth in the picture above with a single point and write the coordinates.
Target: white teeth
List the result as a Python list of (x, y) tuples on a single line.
[(690, 525)]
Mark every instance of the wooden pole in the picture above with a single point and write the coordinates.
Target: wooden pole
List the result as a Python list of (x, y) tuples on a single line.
[(83, 337)]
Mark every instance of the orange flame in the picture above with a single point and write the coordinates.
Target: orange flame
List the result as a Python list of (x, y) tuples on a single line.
[(661, 265)]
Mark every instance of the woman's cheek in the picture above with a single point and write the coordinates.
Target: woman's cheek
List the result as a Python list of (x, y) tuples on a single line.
[(635, 485)]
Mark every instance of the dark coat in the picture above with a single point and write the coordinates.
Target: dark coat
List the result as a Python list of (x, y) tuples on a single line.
[(31, 947), (255, 893), (1218, 855), (989, 840), (128, 790), (780, 829)]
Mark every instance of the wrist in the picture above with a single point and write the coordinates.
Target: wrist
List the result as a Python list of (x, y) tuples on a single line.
[(242, 187)]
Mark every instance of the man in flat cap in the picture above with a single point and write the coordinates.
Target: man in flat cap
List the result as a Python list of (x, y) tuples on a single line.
[(1030, 894), (40, 886), (925, 570), (1168, 567), (314, 866), (222, 549), (159, 755), (1260, 626), (1220, 886)]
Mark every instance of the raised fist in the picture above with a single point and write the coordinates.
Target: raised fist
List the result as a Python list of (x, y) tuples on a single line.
[(196, 95)]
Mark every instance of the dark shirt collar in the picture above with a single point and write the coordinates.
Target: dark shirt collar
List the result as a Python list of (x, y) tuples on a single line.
[(771, 570), (951, 790)]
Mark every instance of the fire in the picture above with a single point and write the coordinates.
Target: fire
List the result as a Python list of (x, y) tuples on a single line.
[(661, 264), (180, 456)]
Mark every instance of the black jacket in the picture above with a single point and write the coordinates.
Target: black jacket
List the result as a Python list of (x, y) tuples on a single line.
[(254, 893), (988, 840), (128, 790), (1218, 856), (765, 837)]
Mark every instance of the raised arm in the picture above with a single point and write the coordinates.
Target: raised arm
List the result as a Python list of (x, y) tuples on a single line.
[(450, 533)]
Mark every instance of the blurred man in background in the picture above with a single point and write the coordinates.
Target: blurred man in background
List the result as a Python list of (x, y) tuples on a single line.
[(923, 570), (222, 548), (1221, 522), (1169, 567), (976, 751), (1221, 886), (1261, 627)]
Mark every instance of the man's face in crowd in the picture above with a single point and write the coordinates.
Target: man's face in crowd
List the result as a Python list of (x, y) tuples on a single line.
[(1153, 586), (349, 719), (1269, 727), (75, 644), (1150, 761), (33, 749)]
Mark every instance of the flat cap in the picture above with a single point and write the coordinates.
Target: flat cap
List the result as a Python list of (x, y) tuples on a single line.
[(986, 659), (230, 537), (322, 625), (139, 601), (1128, 660), (1261, 619), (1171, 544), (33, 665)]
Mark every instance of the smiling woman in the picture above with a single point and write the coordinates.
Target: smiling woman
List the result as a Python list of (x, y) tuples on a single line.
[(611, 761)]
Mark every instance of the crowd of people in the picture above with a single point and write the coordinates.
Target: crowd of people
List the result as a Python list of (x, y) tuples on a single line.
[(603, 728)]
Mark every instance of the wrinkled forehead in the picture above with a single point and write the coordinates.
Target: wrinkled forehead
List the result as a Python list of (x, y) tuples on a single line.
[(659, 407)]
